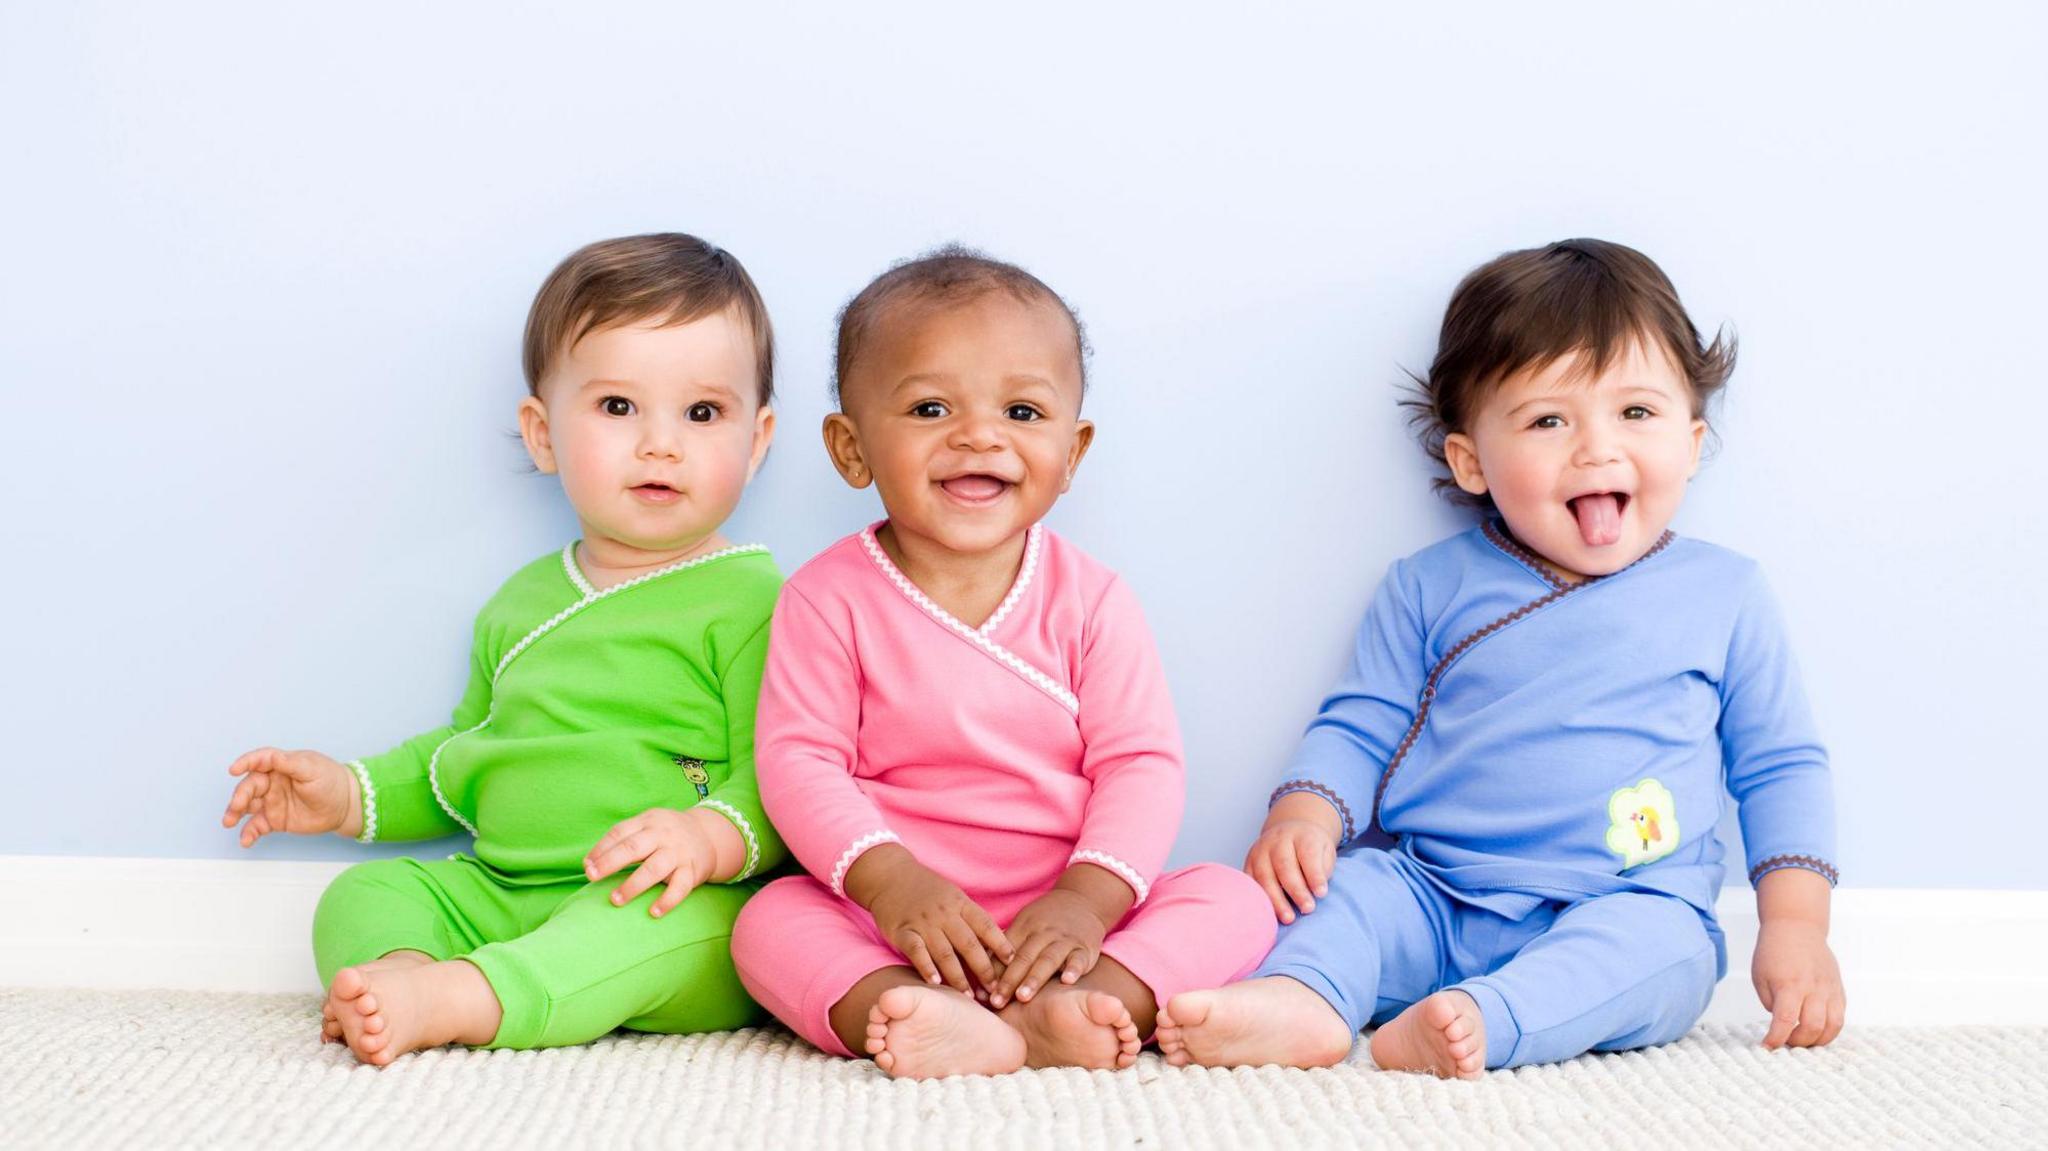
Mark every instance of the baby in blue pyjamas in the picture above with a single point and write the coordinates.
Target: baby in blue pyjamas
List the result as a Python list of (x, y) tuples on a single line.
[(1544, 715)]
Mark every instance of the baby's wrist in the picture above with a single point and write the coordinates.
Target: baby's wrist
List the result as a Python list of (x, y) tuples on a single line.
[(1306, 807), (716, 849), (351, 825), (878, 870)]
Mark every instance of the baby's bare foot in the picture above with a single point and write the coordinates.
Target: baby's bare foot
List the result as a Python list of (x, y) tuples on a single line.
[(1251, 1024), (1443, 1035), (330, 1021), (386, 1012), (1072, 1027), (932, 1032)]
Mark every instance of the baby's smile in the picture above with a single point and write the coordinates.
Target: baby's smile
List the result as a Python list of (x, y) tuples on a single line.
[(976, 489)]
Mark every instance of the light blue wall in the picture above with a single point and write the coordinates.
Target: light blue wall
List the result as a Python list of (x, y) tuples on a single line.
[(265, 270)]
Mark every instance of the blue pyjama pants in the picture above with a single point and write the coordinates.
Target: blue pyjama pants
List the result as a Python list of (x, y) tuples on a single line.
[(1604, 974)]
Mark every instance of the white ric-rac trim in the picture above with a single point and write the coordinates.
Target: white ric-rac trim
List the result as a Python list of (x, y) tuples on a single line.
[(1123, 870), (860, 847), (746, 831), (590, 596), (979, 636), (369, 831)]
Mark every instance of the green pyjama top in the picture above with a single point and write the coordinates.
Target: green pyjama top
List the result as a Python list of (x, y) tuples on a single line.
[(585, 707)]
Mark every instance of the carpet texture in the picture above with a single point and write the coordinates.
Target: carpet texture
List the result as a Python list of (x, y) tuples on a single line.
[(137, 1069)]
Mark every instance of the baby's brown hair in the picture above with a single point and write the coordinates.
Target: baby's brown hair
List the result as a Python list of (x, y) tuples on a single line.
[(1525, 310), (675, 277)]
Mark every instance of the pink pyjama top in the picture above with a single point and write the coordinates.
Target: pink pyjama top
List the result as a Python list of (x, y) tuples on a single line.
[(998, 755)]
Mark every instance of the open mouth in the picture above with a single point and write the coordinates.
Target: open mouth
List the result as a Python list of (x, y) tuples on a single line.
[(1599, 516), (656, 492), (976, 488)]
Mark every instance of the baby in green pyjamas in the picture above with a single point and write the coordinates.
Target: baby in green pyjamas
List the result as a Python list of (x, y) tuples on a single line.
[(602, 756)]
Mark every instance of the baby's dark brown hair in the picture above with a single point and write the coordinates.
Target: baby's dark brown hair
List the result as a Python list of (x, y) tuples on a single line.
[(670, 276), (954, 275), (1527, 309)]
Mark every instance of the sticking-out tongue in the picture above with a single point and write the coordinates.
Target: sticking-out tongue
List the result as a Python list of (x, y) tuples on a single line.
[(1599, 518), (974, 487)]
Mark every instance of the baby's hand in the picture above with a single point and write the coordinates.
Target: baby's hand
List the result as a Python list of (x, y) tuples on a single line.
[(933, 923), (1057, 932), (672, 848), (1295, 853), (1800, 984), (302, 792)]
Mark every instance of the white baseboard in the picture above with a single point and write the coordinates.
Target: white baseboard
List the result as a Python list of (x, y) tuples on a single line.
[(1908, 956)]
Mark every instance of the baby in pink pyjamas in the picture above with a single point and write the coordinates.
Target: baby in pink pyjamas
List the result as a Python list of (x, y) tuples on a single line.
[(964, 732)]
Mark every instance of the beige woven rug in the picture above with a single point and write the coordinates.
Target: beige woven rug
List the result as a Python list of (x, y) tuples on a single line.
[(138, 1069)]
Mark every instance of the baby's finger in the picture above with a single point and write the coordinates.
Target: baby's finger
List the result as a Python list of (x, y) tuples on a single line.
[(1288, 867), (257, 760), (238, 802), (969, 947), (254, 829), (948, 962), (609, 839), (1262, 873), (628, 850), (1078, 964), (1837, 1007), (1813, 1020), (1019, 967), (920, 957), (1316, 864), (645, 876), (1043, 968), (1784, 1017), (674, 890), (991, 936)]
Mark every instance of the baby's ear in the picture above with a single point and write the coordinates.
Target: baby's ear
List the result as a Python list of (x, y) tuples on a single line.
[(533, 432), (1463, 457), (842, 443)]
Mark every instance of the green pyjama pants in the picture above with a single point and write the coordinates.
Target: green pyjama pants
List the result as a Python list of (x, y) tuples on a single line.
[(566, 965)]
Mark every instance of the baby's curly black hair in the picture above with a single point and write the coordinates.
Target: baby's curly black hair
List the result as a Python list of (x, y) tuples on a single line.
[(953, 274)]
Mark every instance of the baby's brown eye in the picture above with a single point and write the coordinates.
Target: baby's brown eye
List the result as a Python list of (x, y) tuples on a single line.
[(1023, 413), (929, 410), (702, 413), (1547, 422), (1635, 412), (616, 406)]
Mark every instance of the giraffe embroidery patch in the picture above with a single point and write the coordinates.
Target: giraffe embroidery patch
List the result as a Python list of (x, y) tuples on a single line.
[(1643, 823)]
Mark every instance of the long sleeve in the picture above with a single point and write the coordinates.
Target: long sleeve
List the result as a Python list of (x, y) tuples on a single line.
[(738, 798), (399, 798), (1361, 722), (805, 755), (1777, 768), (1132, 758)]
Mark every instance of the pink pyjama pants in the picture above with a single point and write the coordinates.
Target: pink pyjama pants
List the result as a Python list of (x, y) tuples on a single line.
[(800, 949)]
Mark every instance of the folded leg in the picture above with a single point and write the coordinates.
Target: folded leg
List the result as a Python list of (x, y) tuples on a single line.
[(800, 949), (441, 909), (1610, 974), (592, 968), (1373, 945), (1202, 926)]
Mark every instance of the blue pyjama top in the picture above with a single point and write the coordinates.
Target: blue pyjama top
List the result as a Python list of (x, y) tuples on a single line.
[(1526, 739)]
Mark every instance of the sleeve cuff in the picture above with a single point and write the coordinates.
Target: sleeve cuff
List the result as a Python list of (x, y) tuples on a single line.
[(854, 851), (1818, 866), (369, 831), (1124, 871), (1337, 801), (746, 830)]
